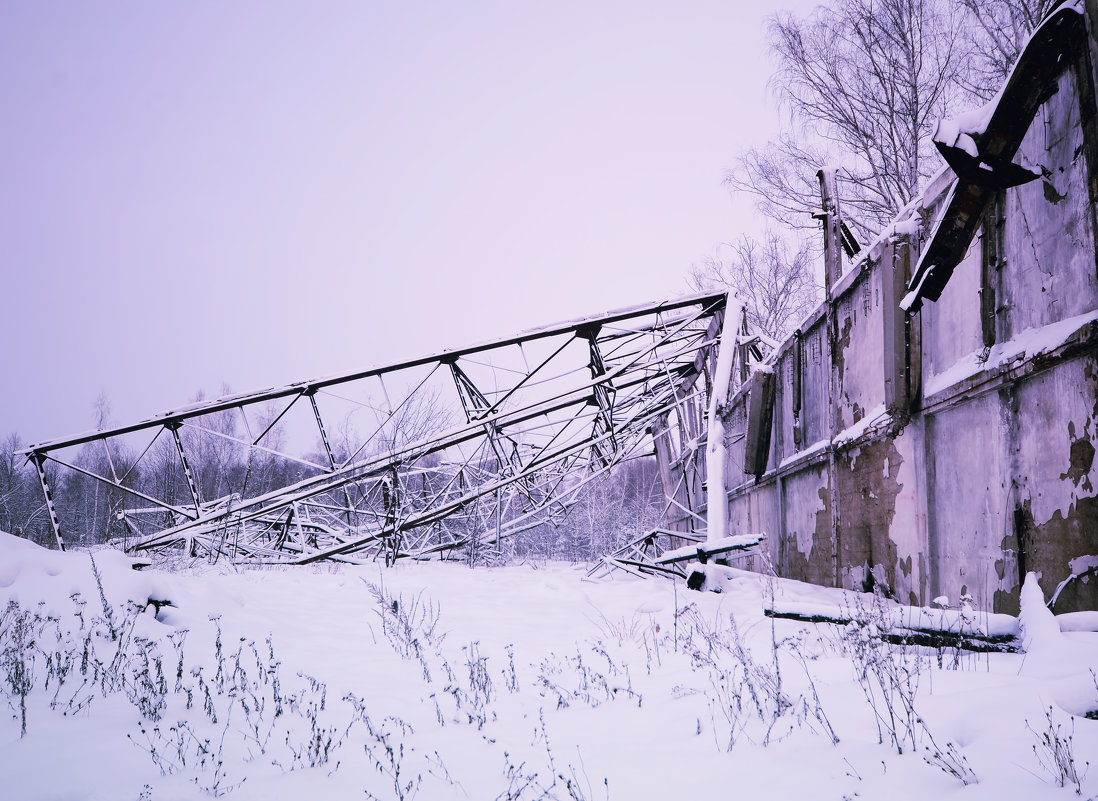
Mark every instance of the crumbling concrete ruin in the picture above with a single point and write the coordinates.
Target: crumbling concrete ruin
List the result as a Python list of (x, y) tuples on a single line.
[(947, 447)]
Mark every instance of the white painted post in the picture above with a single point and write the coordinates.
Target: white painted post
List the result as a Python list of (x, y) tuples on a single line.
[(716, 454)]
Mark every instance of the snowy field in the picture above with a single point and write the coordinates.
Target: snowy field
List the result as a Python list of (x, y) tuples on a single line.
[(435, 681)]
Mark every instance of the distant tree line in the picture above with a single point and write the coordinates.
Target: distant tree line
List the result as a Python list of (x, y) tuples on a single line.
[(89, 509)]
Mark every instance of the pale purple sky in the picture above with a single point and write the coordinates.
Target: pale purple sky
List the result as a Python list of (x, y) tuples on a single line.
[(262, 192)]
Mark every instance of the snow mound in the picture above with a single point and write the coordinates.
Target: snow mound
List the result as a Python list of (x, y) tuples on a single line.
[(31, 575), (1039, 627)]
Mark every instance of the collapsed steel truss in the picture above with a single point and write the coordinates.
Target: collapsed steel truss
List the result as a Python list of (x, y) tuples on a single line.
[(461, 449)]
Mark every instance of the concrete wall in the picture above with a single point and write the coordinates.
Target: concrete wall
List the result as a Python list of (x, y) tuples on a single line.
[(984, 469)]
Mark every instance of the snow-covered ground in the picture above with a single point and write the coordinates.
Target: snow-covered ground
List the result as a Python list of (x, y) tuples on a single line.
[(435, 681)]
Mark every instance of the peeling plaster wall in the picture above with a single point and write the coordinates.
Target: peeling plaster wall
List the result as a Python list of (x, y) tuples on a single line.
[(1055, 505), (908, 526), (805, 548), (968, 489), (1049, 238), (986, 470), (868, 487), (859, 329)]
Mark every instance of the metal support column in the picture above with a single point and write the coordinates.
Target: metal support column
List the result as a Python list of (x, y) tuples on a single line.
[(331, 455), (174, 428), (39, 460)]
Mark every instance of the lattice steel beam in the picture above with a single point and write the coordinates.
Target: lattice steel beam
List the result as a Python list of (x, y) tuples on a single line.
[(525, 441)]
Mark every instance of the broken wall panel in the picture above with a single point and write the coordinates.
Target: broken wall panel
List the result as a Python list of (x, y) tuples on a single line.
[(760, 412), (815, 370), (786, 411)]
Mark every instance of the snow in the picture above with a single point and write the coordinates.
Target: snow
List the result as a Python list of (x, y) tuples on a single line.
[(910, 227), (623, 689), (959, 131), (1078, 621), (1039, 627), (954, 621), (804, 453), (876, 416), (735, 541), (913, 295), (809, 601), (1027, 344)]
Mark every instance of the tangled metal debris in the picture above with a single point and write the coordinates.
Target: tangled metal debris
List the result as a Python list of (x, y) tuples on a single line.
[(460, 449)]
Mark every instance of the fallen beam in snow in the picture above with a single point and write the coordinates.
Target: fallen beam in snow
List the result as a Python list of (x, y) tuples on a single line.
[(704, 551), (909, 625)]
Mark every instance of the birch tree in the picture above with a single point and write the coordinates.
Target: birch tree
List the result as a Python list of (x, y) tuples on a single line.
[(999, 30), (864, 83), (773, 281), (17, 500)]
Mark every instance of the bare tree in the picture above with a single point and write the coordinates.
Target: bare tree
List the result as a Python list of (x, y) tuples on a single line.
[(865, 83), (22, 509), (90, 506), (776, 288), (15, 496), (611, 509), (215, 451), (420, 415), (1000, 28)]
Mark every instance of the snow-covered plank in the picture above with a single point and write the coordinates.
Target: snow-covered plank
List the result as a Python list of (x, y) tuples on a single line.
[(738, 542)]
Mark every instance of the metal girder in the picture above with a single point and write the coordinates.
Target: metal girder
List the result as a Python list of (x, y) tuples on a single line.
[(982, 160), (39, 459), (464, 448), (602, 397)]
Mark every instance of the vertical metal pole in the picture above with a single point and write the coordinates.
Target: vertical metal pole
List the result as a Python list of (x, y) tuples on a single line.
[(173, 426), (39, 460), (833, 257), (661, 443), (833, 268), (499, 522), (716, 451), (331, 455)]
